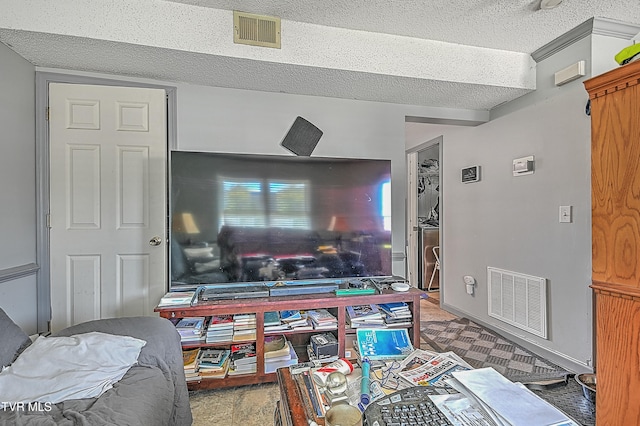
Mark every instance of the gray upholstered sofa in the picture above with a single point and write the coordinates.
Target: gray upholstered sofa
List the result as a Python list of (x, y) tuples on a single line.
[(152, 392)]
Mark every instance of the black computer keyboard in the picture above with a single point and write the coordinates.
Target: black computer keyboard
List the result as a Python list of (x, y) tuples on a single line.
[(407, 407)]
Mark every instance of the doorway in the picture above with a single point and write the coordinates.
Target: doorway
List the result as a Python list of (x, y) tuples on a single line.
[(424, 218)]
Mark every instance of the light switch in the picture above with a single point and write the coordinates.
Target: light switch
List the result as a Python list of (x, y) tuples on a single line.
[(565, 214)]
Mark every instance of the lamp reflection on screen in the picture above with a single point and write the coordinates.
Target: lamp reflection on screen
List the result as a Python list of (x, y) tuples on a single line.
[(338, 224), (184, 224)]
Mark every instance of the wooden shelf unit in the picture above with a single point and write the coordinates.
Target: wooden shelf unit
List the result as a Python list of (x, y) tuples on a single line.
[(615, 199), (279, 303)]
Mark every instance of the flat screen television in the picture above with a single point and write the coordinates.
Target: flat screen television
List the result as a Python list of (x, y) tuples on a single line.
[(247, 220)]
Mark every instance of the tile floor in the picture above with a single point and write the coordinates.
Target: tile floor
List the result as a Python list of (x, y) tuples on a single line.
[(252, 405), (255, 405)]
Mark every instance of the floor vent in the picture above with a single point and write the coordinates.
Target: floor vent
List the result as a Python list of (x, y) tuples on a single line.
[(519, 300), (256, 30)]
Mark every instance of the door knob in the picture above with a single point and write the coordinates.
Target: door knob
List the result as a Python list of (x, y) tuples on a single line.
[(155, 241)]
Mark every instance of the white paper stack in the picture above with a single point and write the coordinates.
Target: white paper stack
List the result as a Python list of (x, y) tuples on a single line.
[(508, 403)]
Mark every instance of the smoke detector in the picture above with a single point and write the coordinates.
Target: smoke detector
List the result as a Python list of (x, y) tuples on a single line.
[(549, 4), (256, 30)]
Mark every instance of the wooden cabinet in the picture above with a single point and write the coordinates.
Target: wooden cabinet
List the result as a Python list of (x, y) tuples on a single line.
[(299, 302), (615, 197)]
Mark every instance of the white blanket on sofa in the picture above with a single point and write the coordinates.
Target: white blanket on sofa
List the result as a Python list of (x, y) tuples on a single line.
[(54, 369)]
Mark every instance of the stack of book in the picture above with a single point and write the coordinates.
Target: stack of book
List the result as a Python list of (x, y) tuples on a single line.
[(365, 316), (396, 314), (191, 329), (278, 353), (273, 323), (296, 320), (176, 298), (242, 359), (190, 360), (220, 329), (322, 319), (213, 363), (244, 327)]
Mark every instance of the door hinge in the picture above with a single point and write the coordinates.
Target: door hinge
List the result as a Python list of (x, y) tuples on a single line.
[(48, 220), (46, 114)]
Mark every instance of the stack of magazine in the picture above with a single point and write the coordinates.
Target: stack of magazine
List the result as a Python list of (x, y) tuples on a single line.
[(191, 329), (244, 327), (220, 329), (190, 360), (213, 363), (242, 359), (365, 316), (272, 322), (321, 319), (295, 320), (396, 314)]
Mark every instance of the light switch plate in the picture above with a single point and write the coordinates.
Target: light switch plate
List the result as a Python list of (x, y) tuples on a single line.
[(565, 214)]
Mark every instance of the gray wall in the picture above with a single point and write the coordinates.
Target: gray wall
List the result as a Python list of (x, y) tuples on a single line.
[(17, 189), (500, 221), (230, 120), (244, 121), (513, 222)]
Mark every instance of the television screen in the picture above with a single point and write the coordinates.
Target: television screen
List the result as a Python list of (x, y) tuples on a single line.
[(240, 218)]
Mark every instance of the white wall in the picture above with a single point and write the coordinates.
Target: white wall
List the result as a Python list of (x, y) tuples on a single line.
[(17, 188), (603, 50), (513, 222)]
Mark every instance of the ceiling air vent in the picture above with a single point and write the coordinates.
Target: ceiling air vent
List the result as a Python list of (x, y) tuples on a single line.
[(256, 30)]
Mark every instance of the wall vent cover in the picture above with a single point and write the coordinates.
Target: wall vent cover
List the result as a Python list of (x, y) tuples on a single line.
[(256, 30), (519, 300)]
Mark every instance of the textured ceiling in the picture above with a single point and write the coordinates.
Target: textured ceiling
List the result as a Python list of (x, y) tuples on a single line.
[(514, 25), (465, 55)]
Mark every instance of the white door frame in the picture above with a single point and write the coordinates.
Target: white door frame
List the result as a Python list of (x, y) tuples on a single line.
[(43, 79), (412, 218), (412, 210)]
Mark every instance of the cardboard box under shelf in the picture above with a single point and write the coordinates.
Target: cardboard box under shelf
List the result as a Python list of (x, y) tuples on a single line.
[(349, 347)]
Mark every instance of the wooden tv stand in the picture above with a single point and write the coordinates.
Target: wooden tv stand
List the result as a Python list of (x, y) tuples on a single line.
[(300, 302)]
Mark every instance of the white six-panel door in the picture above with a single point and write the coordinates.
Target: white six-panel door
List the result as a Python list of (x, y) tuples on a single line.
[(107, 201)]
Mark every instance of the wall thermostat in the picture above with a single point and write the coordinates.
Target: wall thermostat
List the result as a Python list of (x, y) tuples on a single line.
[(471, 174)]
